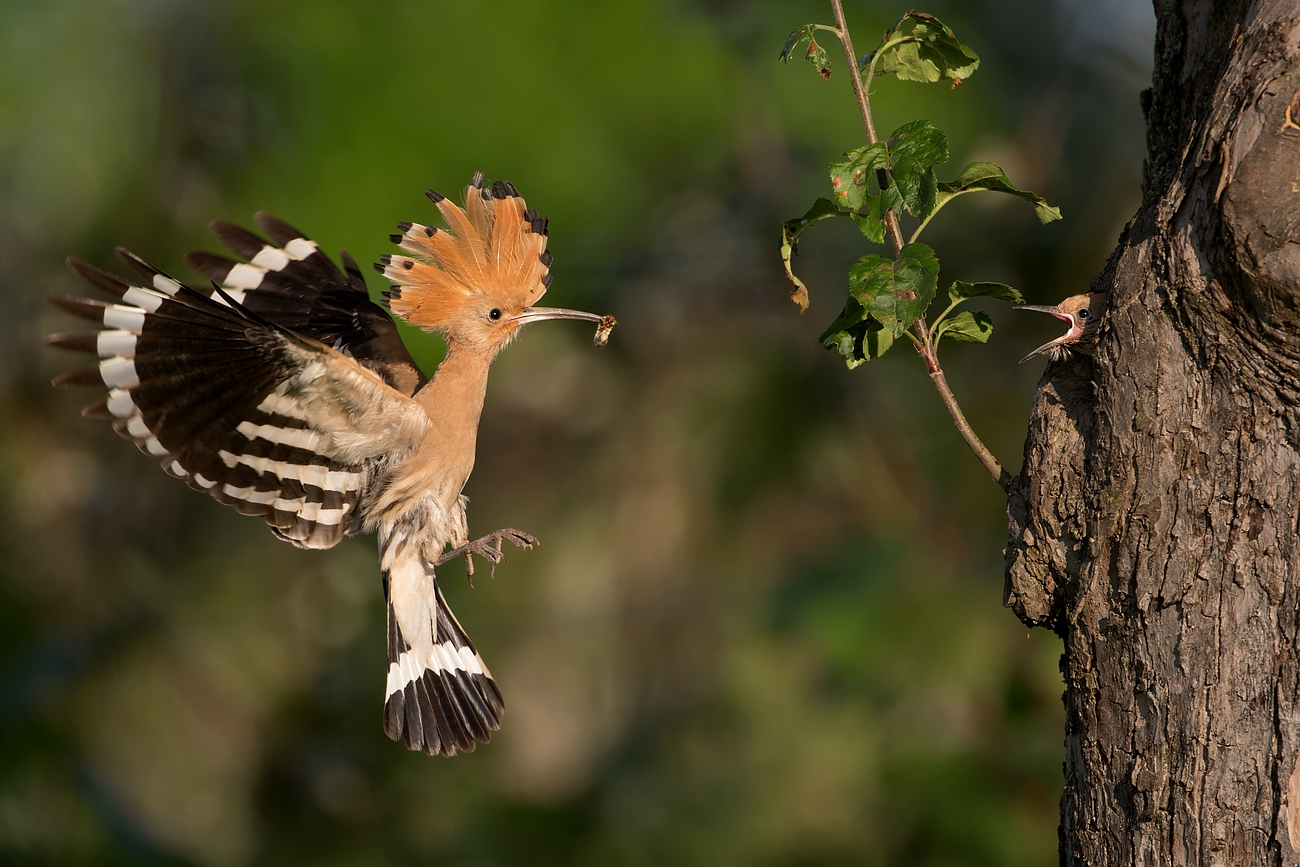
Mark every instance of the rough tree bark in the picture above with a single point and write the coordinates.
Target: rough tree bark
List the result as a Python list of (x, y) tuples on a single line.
[(1154, 524)]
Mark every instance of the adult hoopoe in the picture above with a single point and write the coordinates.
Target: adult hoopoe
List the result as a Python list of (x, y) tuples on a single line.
[(288, 394)]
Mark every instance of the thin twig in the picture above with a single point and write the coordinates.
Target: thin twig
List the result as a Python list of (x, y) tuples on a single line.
[(926, 349), (852, 60), (864, 108), (1001, 476), (924, 346)]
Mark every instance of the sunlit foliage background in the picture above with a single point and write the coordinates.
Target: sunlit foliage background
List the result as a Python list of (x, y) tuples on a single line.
[(764, 625)]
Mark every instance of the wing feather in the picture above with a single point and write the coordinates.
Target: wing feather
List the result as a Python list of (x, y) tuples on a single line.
[(290, 282), (273, 423)]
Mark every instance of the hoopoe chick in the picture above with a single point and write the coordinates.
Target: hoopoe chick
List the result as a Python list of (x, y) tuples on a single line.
[(1082, 313), (285, 392)]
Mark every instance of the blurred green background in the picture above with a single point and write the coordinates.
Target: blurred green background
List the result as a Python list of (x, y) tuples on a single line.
[(764, 624)]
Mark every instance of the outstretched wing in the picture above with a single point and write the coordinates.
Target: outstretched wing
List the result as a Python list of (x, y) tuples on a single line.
[(290, 282), (273, 423)]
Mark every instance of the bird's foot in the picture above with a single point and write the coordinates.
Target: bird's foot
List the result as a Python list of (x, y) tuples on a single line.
[(489, 548)]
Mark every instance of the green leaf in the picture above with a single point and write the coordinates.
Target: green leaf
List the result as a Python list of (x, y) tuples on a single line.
[(960, 290), (850, 176), (966, 327), (856, 335), (816, 55), (978, 177), (790, 232), (820, 210), (872, 223), (909, 155), (913, 150), (920, 47), (803, 34), (895, 292)]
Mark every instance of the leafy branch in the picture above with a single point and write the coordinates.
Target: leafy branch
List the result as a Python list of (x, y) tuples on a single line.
[(889, 298)]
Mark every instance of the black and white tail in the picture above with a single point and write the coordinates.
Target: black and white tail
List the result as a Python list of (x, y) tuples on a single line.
[(440, 696)]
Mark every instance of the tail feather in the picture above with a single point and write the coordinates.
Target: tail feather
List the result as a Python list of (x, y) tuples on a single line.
[(440, 696), (452, 727)]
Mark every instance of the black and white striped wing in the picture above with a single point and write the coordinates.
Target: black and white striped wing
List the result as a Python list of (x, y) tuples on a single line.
[(276, 425), (290, 282)]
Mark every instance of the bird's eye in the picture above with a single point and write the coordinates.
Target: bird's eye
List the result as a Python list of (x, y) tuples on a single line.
[(494, 314), (1083, 314)]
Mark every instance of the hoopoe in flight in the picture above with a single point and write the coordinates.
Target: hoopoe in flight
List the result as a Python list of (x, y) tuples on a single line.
[(1082, 313), (283, 391)]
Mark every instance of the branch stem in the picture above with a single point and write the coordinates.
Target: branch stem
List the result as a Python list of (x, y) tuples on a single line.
[(864, 108), (924, 345), (1001, 476), (851, 58)]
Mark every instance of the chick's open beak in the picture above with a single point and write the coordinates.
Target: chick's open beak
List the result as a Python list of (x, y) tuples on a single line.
[(1051, 344)]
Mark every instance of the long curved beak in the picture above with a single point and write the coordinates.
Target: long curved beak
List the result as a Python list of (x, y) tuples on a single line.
[(604, 324), (540, 314)]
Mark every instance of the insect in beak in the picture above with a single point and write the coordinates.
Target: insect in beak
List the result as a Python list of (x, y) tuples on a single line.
[(604, 324)]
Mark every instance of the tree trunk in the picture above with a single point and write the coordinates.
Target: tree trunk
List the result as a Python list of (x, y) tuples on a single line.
[(1154, 524)]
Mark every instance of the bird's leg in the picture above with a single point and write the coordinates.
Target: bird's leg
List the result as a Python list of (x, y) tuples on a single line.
[(489, 548)]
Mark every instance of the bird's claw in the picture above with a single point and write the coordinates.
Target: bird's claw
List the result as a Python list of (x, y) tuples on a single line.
[(489, 548)]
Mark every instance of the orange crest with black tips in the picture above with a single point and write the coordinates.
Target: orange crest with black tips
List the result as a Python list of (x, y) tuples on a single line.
[(493, 248)]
